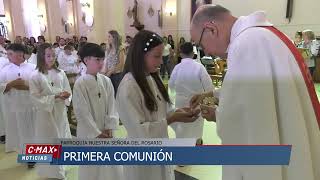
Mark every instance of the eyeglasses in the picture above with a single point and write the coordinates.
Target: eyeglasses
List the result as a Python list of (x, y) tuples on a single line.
[(199, 43)]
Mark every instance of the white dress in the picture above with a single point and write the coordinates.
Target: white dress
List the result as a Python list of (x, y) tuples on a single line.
[(68, 63), (32, 59), (19, 112), (83, 68), (264, 100), (95, 110), (51, 114), (59, 50), (3, 62), (185, 85), (141, 123)]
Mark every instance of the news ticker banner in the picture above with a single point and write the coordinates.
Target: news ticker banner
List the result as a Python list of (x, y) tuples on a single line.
[(152, 152)]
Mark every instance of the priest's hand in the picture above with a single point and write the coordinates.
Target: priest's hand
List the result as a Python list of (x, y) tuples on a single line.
[(198, 98), (208, 112)]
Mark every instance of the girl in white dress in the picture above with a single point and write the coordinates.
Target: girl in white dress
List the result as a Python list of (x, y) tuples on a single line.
[(143, 102), (51, 93)]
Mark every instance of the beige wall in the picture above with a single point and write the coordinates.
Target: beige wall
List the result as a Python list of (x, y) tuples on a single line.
[(14, 7), (112, 14), (43, 12), (55, 15), (183, 15), (306, 13), (7, 9)]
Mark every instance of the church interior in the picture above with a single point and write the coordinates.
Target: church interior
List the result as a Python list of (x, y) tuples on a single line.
[(68, 24)]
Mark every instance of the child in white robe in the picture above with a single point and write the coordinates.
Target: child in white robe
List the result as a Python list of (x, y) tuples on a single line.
[(143, 102), (3, 62), (32, 59), (189, 78), (94, 107), (68, 61), (83, 68), (60, 48), (18, 108), (50, 93)]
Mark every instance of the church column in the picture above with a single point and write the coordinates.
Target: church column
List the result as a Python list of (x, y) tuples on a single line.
[(60, 18), (43, 19), (55, 25), (30, 18), (14, 8), (170, 19), (115, 17), (184, 19)]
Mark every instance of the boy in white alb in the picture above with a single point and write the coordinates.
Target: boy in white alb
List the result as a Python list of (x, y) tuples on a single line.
[(3, 62), (189, 78), (94, 107), (18, 109)]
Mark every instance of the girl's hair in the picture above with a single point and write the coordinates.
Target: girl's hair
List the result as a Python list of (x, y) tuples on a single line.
[(309, 33), (182, 39), (116, 41), (42, 37), (33, 39), (41, 58), (143, 42)]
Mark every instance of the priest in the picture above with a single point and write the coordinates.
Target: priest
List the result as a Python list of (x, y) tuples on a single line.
[(267, 95)]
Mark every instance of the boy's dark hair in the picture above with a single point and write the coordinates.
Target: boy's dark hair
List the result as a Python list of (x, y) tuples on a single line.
[(142, 43), (103, 44), (55, 44), (42, 37), (91, 49), (84, 37), (17, 48), (186, 48)]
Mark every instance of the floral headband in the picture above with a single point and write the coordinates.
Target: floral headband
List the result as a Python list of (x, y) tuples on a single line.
[(152, 42)]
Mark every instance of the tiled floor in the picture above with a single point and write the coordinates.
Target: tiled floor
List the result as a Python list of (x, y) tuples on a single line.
[(10, 170)]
